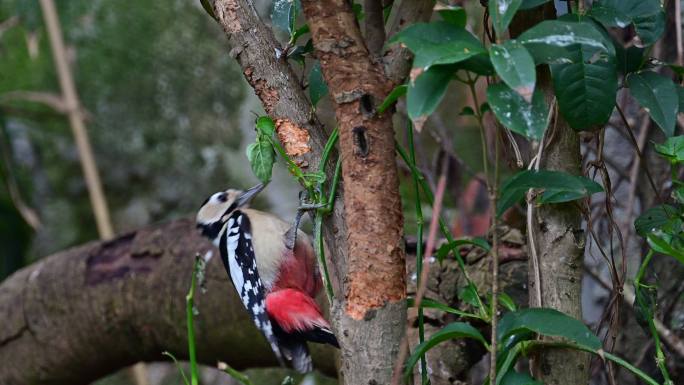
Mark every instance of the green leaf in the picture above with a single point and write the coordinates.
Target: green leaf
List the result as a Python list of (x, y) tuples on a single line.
[(550, 40), (680, 93), (547, 322), (647, 16), (467, 111), (515, 378), (515, 66), (208, 8), (672, 149), (265, 126), (317, 86), (658, 95), (446, 248), (425, 93), (655, 218), (557, 187), (502, 12), (506, 301), (392, 98), (645, 299), (454, 330), (586, 88), (527, 119), (428, 303), (438, 42), (261, 158), (468, 294), (284, 14), (479, 64), (452, 14), (528, 4), (628, 59), (662, 243)]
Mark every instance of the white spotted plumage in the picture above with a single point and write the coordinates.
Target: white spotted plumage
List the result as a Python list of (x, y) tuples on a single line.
[(244, 274)]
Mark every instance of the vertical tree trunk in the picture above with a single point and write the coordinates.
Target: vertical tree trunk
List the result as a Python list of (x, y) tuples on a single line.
[(370, 318), (560, 238)]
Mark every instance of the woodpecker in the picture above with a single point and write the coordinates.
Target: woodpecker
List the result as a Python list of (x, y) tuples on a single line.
[(273, 269)]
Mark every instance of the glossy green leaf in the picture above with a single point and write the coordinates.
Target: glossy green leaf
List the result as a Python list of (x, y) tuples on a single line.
[(528, 4), (547, 322), (514, 64), (557, 187), (261, 158), (455, 330), (501, 12), (452, 14), (658, 95), (672, 149), (655, 218), (265, 126), (425, 93), (515, 378), (208, 8), (527, 119), (586, 88), (438, 42), (392, 98), (628, 59), (284, 14), (662, 243), (647, 16), (550, 40), (317, 85), (446, 248), (479, 64)]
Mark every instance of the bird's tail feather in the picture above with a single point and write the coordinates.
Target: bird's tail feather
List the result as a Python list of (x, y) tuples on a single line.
[(298, 354)]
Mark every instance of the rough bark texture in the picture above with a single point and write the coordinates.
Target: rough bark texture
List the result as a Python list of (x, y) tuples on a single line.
[(559, 234), (366, 263), (397, 59), (256, 50), (80, 314), (371, 318)]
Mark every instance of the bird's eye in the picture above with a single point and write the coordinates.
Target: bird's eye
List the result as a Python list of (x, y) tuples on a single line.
[(223, 197)]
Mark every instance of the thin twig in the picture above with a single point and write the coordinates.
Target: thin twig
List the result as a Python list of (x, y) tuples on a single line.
[(374, 26), (638, 146), (678, 32), (673, 341)]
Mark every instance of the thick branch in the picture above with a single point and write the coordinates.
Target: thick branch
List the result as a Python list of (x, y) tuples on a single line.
[(257, 51), (398, 58), (375, 285), (80, 314), (374, 24), (558, 228)]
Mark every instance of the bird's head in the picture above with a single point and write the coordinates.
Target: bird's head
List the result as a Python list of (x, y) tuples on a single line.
[(215, 210)]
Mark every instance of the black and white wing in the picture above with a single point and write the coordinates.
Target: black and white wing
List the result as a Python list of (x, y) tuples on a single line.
[(237, 254)]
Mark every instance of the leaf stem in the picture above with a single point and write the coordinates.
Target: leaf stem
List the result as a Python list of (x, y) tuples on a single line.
[(419, 249), (442, 225), (189, 305)]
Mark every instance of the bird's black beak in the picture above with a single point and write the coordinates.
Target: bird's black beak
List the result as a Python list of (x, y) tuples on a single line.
[(248, 195)]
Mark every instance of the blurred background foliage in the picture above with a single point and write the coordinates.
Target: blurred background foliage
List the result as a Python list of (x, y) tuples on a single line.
[(163, 100)]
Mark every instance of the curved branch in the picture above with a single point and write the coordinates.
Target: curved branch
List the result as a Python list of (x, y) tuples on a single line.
[(80, 314)]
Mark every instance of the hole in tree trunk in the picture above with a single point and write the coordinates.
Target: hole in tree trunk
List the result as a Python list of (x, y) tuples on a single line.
[(360, 141)]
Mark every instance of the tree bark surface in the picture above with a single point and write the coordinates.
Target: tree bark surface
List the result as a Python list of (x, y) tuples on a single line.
[(558, 231), (371, 319), (85, 312)]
